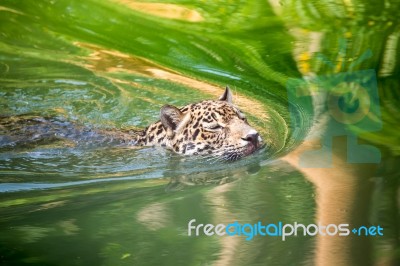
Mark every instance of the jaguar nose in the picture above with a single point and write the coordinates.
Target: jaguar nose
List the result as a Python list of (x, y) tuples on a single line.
[(252, 138)]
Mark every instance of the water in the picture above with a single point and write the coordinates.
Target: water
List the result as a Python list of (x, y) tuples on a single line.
[(114, 64)]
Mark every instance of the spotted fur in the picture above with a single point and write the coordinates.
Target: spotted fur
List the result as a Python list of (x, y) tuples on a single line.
[(215, 128)]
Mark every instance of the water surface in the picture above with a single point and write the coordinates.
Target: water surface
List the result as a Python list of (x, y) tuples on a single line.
[(114, 64)]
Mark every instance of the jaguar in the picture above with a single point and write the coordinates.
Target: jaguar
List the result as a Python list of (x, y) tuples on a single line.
[(210, 127), (215, 128)]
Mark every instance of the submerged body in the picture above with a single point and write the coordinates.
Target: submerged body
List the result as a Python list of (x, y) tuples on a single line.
[(216, 128)]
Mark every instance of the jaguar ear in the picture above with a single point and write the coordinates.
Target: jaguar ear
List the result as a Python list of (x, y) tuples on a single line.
[(170, 117), (227, 96)]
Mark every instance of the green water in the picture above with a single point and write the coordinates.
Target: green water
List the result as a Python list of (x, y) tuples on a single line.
[(114, 64)]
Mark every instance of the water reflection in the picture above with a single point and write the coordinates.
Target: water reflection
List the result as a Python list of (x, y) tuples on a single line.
[(169, 11), (345, 191)]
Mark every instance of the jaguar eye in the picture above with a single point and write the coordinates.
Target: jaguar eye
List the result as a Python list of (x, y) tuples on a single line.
[(215, 127), (242, 117)]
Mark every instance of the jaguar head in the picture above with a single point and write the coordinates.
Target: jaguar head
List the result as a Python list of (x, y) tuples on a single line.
[(216, 128)]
